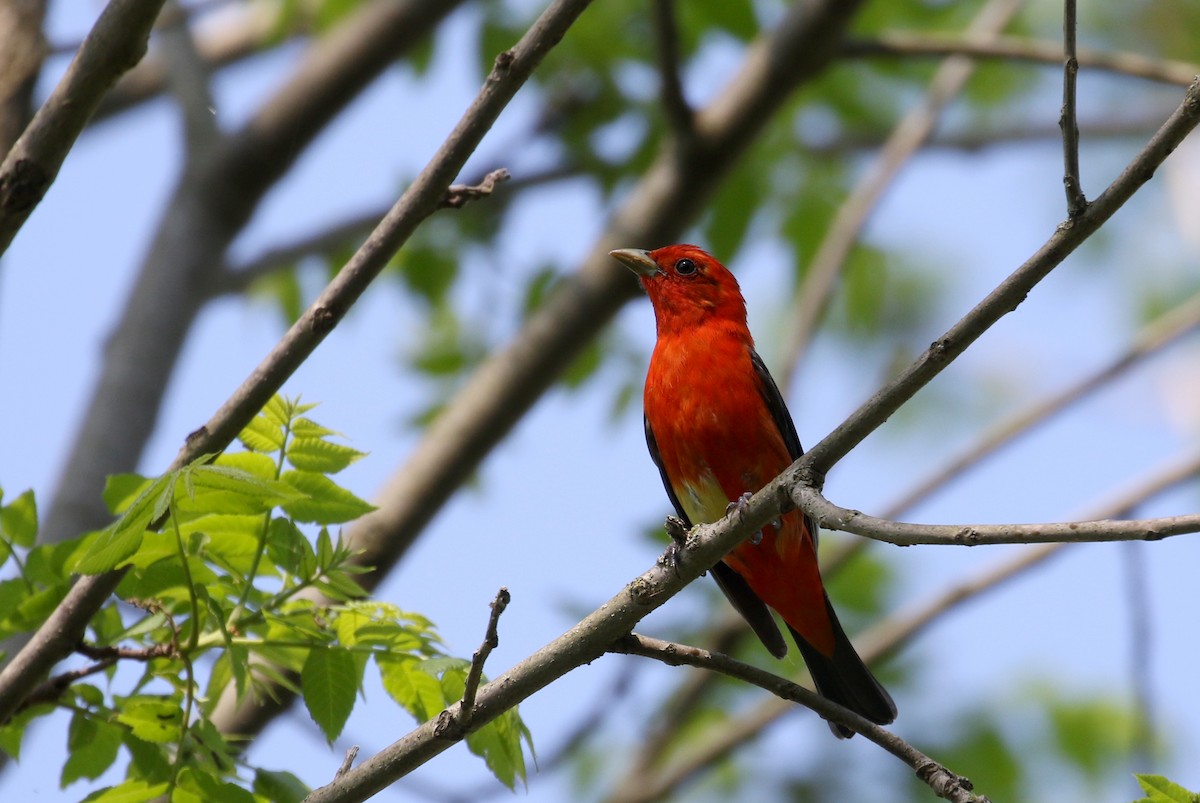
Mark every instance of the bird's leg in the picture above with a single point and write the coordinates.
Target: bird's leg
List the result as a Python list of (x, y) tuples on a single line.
[(677, 529), (739, 505)]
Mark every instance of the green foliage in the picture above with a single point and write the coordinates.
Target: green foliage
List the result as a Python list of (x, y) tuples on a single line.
[(1161, 790), (216, 557)]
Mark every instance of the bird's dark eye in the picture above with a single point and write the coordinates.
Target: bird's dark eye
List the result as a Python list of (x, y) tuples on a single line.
[(685, 267)]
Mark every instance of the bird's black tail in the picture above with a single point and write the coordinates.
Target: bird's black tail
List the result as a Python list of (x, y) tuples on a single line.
[(843, 678)]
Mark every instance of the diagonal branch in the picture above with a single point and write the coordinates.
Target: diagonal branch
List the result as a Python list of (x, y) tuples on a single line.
[(116, 42), (679, 114), (1004, 299), (888, 636), (507, 384), (910, 134), (944, 783), (62, 630), (1012, 48)]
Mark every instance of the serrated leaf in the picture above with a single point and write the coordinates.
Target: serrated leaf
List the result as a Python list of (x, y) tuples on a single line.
[(18, 520), (151, 719), (114, 544), (307, 428), (120, 490), (278, 410), (417, 691), (279, 787), (197, 786), (253, 463), (1162, 790), (323, 501), (499, 744), (329, 682), (289, 549), (92, 745), (128, 792), (262, 435), (315, 454)]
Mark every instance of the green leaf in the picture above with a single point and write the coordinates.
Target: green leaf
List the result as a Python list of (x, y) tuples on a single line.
[(329, 682), (262, 435), (151, 719), (499, 744), (416, 690), (129, 792), (307, 428), (92, 746), (315, 454), (197, 786), (253, 463), (289, 549), (120, 490), (18, 520), (279, 787), (1161, 790), (113, 545), (324, 501)]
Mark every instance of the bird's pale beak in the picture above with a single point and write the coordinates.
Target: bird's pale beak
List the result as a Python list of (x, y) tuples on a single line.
[(636, 260)]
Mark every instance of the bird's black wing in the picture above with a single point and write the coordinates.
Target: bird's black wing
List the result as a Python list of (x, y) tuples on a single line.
[(736, 590), (781, 417)]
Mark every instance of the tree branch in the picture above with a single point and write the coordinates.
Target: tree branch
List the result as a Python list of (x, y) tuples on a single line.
[(908, 44), (1076, 201), (116, 42), (505, 386), (944, 783), (910, 134), (1005, 298), (1168, 328), (678, 112), (63, 628), (888, 636)]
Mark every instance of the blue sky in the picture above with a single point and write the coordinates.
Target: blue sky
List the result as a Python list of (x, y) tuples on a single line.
[(563, 533)]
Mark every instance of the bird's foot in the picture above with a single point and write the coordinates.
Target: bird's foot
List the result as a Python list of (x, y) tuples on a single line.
[(677, 529), (739, 505)]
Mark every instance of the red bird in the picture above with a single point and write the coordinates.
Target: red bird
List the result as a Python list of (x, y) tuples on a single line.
[(718, 428)]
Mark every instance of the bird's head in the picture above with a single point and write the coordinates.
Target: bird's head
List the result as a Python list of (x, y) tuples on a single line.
[(686, 285)]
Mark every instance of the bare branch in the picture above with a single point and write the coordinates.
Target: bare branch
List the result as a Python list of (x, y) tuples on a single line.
[(1168, 328), (459, 195), (116, 42), (1006, 297), (491, 640), (658, 209), (187, 77), (1076, 201), (815, 291), (1134, 65), (889, 635), (347, 762), (22, 49), (944, 783), (64, 627), (676, 109)]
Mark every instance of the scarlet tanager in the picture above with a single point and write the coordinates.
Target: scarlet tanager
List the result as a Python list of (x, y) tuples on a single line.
[(718, 429)]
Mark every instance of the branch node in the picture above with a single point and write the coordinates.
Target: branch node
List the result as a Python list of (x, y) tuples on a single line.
[(347, 763), (458, 195)]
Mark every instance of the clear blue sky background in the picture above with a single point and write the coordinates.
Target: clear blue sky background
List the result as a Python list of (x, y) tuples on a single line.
[(560, 507)]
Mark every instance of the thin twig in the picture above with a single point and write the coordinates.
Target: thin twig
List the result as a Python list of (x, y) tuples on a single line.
[(943, 782), (1076, 201), (1163, 331), (813, 296), (459, 195), (347, 762), (833, 517), (1011, 48), (678, 112), (491, 640), (1004, 299)]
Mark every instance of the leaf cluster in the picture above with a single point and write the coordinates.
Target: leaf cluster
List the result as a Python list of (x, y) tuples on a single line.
[(234, 585)]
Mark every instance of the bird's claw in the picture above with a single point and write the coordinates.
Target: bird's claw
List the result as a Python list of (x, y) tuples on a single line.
[(739, 506), (677, 530)]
